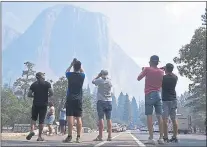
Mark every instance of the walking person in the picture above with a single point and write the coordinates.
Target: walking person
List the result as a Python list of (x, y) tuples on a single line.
[(74, 98), (153, 83), (50, 117), (104, 103), (40, 91), (62, 121), (169, 100)]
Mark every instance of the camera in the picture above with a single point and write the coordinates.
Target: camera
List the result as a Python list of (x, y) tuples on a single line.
[(163, 68)]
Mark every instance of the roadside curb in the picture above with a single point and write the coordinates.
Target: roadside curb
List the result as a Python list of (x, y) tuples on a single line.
[(12, 135)]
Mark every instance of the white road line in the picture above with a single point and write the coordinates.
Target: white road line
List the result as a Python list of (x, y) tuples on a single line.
[(103, 142), (137, 141)]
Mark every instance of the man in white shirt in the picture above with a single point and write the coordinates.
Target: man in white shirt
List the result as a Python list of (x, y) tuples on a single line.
[(104, 102)]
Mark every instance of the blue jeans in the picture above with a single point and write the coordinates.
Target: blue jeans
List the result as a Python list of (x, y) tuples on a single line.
[(104, 107), (153, 99)]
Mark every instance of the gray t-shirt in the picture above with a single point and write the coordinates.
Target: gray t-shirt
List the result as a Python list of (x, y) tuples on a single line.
[(104, 89)]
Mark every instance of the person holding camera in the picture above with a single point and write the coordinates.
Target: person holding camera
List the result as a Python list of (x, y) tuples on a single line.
[(169, 100), (74, 98), (153, 83), (104, 103), (40, 91)]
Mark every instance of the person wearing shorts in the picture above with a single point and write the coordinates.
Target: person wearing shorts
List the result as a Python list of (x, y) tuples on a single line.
[(40, 91), (104, 103), (74, 99), (50, 117), (169, 102), (153, 83)]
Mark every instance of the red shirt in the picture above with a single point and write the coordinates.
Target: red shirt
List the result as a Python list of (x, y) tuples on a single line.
[(153, 80)]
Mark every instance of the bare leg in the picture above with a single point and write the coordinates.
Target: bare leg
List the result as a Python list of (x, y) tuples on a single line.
[(79, 126), (175, 127), (32, 126), (70, 125), (29, 136), (50, 128), (109, 125), (165, 127), (101, 126), (40, 129), (160, 121), (150, 126)]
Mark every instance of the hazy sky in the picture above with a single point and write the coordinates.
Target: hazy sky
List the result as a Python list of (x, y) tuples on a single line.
[(141, 29)]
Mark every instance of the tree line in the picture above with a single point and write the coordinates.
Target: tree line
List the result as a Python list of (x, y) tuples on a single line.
[(16, 106)]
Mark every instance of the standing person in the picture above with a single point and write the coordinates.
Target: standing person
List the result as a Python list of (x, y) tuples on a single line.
[(74, 98), (104, 103), (50, 117), (153, 83), (40, 91), (62, 120), (169, 102)]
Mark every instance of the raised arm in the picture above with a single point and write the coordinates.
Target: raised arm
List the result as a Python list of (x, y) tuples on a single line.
[(142, 74), (81, 70), (95, 80), (69, 68)]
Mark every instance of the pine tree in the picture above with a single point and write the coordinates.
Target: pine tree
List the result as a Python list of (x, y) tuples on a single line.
[(114, 107), (127, 116), (120, 107), (21, 85), (134, 111)]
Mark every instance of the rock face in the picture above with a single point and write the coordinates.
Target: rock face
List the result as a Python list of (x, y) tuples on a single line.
[(8, 36), (63, 32)]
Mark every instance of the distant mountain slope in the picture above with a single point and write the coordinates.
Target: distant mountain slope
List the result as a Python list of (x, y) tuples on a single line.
[(8, 35), (62, 32)]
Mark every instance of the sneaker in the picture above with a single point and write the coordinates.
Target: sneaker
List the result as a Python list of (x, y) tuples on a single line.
[(40, 139), (151, 141), (109, 139), (160, 141), (166, 139), (30, 135), (174, 139), (68, 139), (98, 139), (78, 140)]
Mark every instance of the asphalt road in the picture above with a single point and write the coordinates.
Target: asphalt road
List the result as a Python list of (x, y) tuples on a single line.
[(128, 138), (183, 139)]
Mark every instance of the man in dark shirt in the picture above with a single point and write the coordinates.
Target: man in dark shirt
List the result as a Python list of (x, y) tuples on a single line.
[(169, 102), (74, 98), (40, 91)]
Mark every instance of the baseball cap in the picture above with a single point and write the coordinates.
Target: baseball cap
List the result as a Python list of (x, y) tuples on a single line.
[(154, 58), (104, 72), (40, 75)]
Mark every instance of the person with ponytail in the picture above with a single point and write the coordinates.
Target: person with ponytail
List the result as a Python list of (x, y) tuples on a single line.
[(40, 91)]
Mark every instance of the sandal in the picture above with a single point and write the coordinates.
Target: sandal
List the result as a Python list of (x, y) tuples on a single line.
[(98, 139), (40, 139)]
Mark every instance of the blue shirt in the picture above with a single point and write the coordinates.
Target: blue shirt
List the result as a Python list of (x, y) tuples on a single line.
[(75, 84), (62, 114)]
